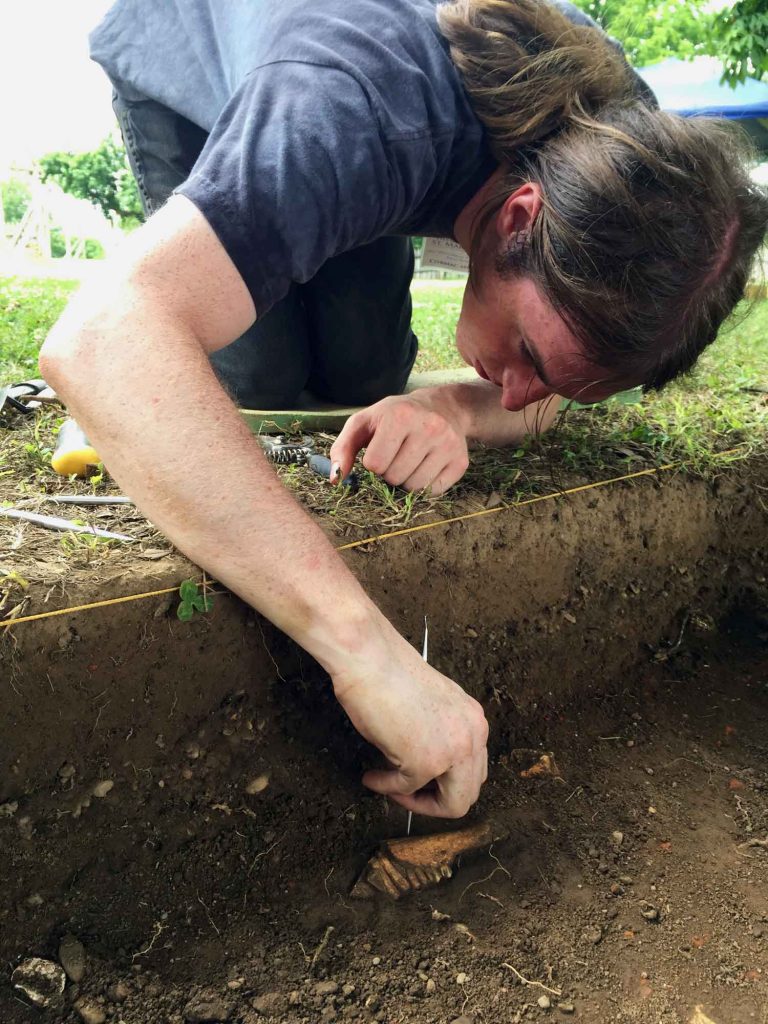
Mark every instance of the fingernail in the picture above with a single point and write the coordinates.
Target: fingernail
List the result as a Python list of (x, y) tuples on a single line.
[(335, 470)]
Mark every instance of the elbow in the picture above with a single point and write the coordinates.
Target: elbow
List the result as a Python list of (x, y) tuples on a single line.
[(69, 359), (58, 357)]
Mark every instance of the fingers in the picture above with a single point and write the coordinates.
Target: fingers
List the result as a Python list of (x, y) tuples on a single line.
[(436, 473), (355, 434), (455, 793), (452, 795), (415, 468), (392, 783), (405, 444)]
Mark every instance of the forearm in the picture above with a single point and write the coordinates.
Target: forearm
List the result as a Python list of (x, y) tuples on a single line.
[(141, 387), (477, 404)]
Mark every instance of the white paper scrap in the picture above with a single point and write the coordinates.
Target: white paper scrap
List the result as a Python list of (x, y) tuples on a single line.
[(444, 254)]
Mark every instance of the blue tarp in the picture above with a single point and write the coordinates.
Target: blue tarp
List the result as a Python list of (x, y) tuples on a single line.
[(690, 87)]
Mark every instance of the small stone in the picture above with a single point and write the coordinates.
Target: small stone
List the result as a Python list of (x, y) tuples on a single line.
[(101, 789), (376, 961), (89, 1012), (617, 838), (41, 981), (7, 810), (566, 1007), (271, 1004), (544, 1002), (463, 1019), (617, 890), (430, 986), (649, 912), (72, 957), (471, 633), (757, 932), (118, 992), (462, 978), (326, 988), (348, 990), (257, 785), (602, 867), (210, 1010), (593, 936)]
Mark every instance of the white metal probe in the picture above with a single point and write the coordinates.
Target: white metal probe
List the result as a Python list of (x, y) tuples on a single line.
[(424, 656)]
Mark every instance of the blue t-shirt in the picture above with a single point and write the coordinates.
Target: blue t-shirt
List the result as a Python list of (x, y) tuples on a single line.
[(332, 122)]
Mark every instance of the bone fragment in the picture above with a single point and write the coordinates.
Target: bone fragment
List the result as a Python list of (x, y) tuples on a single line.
[(401, 866)]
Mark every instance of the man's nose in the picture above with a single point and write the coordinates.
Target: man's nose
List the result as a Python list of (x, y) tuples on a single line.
[(519, 390)]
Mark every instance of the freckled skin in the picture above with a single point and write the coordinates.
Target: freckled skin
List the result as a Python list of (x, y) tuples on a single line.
[(506, 318), (490, 336), (170, 299)]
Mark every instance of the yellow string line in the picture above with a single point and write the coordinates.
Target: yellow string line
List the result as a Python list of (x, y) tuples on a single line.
[(504, 508), (7, 623)]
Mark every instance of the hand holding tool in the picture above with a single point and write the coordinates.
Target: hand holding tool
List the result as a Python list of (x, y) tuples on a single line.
[(302, 453)]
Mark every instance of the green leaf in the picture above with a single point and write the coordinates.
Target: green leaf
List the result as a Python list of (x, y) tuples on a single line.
[(185, 612), (188, 590)]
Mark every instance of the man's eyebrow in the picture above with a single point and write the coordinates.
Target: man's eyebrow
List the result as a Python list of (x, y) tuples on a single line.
[(533, 352)]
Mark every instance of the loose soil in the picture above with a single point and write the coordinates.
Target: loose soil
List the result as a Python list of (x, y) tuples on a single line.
[(624, 630), (635, 886)]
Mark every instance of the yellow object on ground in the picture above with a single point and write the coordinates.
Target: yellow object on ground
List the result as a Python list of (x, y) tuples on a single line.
[(74, 455), (699, 1017)]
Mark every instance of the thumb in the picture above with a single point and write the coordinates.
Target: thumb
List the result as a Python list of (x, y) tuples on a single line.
[(355, 434), (389, 783)]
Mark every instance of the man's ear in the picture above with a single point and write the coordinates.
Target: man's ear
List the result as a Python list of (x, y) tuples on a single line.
[(519, 211)]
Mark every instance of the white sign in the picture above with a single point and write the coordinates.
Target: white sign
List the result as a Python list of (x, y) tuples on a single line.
[(444, 254)]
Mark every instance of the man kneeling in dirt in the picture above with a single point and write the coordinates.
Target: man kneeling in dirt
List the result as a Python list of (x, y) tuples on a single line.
[(286, 152)]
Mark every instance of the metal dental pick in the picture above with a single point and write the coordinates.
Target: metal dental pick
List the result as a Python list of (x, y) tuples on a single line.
[(424, 656)]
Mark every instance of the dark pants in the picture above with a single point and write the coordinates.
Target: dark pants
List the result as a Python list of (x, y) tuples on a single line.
[(345, 335)]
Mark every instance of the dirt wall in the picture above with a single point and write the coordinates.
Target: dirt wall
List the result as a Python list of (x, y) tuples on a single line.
[(523, 606)]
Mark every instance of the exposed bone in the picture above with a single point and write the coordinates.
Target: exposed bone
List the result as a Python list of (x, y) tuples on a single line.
[(545, 767), (401, 866)]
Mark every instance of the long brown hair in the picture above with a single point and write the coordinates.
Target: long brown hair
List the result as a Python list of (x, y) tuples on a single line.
[(650, 222)]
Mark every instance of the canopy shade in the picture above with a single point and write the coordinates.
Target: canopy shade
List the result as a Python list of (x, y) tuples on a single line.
[(690, 87)]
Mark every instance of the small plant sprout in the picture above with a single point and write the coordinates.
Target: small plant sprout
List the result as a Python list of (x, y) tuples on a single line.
[(193, 601)]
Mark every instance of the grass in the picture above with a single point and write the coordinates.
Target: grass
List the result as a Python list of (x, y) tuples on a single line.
[(721, 406), (28, 310)]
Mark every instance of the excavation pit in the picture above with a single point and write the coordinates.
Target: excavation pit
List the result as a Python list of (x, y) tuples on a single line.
[(184, 798)]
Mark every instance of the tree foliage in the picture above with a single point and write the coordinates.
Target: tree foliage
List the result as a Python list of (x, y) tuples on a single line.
[(741, 38), (100, 176), (15, 197), (650, 30)]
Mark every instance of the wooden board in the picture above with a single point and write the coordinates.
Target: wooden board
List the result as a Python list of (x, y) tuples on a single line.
[(312, 414)]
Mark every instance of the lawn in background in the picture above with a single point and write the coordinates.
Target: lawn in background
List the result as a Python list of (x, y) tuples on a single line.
[(28, 310), (724, 402)]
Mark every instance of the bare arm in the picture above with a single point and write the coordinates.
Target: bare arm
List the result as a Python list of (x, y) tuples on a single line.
[(130, 359)]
